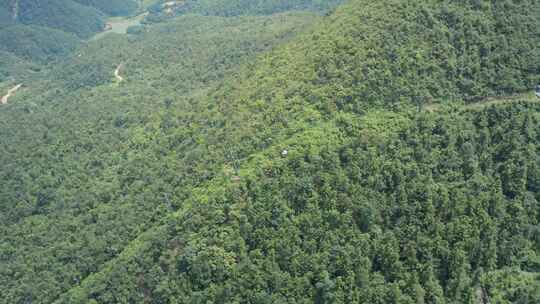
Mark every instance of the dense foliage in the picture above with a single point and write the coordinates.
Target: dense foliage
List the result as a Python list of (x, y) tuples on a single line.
[(112, 7), (38, 44), (291, 158), (13, 67), (64, 15), (390, 52), (164, 9), (42, 31), (70, 139), (430, 211)]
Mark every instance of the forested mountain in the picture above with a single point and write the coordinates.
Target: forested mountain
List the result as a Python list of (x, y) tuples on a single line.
[(65, 15), (44, 30), (37, 44), (163, 69), (12, 66), (112, 7), (166, 8), (375, 153)]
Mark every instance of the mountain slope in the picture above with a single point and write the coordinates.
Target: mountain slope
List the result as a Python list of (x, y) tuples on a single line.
[(42, 31), (63, 15), (112, 7), (353, 221), (309, 174), (238, 7), (80, 17), (291, 221), (13, 67), (59, 126), (37, 44), (393, 52)]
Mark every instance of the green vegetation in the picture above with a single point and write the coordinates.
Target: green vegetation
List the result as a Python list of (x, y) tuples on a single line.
[(64, 15), (415, 217), (160, 75), (43, 31), (289, 158), (396, 52), (164, 9), (240, 7), (112, 7), (13, 67), (512, 286), (37, 44)]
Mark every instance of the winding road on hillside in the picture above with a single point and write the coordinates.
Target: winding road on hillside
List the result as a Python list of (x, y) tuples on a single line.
[(117, 73), (10, 93), (489, 101)]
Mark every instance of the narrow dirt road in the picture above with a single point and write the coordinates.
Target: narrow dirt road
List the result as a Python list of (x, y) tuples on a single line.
[(10, 93), (488, 101), (15, 14), (117, 73)]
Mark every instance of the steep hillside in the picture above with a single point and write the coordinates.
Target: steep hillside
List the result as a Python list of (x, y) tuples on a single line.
[(13, 67), (64, 15), (80, 17), (389, 53), (163, 9), (39, 44), (112, 7), (98, 130), (390, 208), (281, 159), (387, 208), (42, 31)]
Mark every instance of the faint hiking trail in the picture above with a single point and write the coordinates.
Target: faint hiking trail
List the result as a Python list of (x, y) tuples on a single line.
[(117, 72), (489, 101), (10, 93), (482, 296)]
